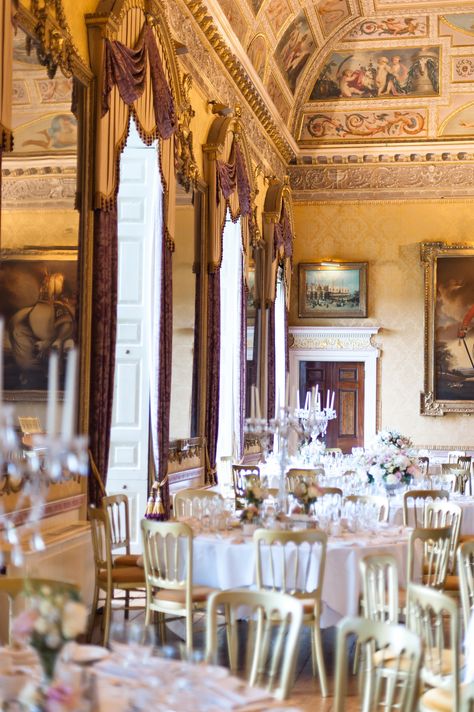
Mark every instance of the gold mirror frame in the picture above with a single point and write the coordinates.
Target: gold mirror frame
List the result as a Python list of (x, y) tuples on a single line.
[(46, 26), (433, 400)]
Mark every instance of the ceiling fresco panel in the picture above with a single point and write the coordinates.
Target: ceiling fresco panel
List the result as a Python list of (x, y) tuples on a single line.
[(257, 53), (294, 49), (400, 26), (460, 124), (278, 12), (331, 14), (387, 124), (374, 73), (236, 18), (463, 22), (276, 94)]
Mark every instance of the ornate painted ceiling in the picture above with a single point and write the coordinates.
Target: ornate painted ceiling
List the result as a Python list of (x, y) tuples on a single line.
[(342, 72)]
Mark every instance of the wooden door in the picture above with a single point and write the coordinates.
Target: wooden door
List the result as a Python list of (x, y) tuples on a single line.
[(346, 379)]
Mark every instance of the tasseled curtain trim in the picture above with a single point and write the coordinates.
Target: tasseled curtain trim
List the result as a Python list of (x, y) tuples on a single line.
[(126, 69), (283, 236)]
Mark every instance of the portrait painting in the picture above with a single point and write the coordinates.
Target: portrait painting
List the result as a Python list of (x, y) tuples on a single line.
[(331, 13), (276, 95), (402, 26), (449, 328), (278, 12), (257, 53), (332, 290), (38, 303), (294, 49), (376, 73)]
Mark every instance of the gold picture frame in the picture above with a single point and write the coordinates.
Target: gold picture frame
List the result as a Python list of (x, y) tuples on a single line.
[(449, 328), (332, 290)]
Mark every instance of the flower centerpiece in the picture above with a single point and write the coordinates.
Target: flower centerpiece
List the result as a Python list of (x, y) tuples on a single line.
[(388, 463), (255, 494), (306, 493), (393, 437), (54, 616)]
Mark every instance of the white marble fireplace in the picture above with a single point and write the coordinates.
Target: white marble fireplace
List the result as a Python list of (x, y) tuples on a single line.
[(328, 343)]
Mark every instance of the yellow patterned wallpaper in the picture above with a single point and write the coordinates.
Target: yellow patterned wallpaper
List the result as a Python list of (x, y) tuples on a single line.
[(388, 236)]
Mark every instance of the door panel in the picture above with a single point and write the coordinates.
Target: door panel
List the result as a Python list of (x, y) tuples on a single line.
[(347, 381)]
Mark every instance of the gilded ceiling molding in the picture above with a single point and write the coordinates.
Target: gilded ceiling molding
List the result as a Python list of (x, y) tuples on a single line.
[(238, 73), (187, 171), (378, 181)]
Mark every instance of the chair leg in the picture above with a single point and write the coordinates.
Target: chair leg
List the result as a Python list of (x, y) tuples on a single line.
[(107, 617), (93, 613), (127, 605), (189, 632), (319, 658), (162, 627)]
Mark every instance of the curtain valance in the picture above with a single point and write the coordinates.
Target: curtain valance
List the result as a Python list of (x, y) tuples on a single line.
[(233, 177), (127, 69), (279, 235)]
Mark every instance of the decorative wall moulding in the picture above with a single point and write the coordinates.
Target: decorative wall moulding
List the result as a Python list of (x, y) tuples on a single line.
[(186, 449), (21, 191), (378, 182), (330, 338)]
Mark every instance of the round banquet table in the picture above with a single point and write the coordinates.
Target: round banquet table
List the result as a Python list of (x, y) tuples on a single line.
[(465, 502), (227, 560)]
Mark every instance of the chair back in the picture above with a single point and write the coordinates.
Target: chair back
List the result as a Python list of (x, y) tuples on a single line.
[(270, 639), (414, 503), (117, 507), (434, 560), (292, 562), (379, 577), (424, 464), (101, 540), (14, 587), (183, 501), (448, 479), (168, 556), (296, 475), (442, 513), (465, 464), (391, 682), (377, 501), (454, 455), (433, 616), (241, 476), (465, 562)]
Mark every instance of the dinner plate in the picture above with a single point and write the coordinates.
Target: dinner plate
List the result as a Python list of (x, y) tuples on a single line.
[(84, 654)]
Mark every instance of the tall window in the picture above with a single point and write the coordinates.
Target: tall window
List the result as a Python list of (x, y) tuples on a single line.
[(280, 340), (228, 439)]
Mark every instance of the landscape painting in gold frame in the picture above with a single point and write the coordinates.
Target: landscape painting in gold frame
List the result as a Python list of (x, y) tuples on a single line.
[(330, 290), (449, 328)]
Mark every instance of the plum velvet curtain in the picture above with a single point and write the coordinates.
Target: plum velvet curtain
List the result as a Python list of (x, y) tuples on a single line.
[(133, 82), (229, 189)]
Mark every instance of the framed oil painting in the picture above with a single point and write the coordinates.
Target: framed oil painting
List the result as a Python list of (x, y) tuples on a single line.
[(332, 290), (449, 328), (38, 302)]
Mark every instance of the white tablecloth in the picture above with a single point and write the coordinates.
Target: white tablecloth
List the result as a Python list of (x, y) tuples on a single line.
[(229, 562), (466, 503)]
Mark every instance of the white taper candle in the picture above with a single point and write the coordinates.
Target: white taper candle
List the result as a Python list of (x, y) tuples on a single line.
[(52, 393), (69, 408)]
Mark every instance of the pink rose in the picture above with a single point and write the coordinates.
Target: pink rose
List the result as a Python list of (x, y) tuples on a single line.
[(23, 625)]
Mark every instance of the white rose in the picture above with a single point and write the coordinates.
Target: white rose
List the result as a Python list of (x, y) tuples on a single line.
[(53, 640), (41, 626), (45, 608), (391, 479), (74, 619)]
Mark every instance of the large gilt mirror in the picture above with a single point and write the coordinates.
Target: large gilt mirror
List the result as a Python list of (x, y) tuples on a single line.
[(184, 411), (43, 246)]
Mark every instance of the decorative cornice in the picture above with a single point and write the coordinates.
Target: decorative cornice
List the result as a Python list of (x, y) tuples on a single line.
[(186, 449), (332, 338), (187, 172), (239, 75), (38, 188), (379, 181)]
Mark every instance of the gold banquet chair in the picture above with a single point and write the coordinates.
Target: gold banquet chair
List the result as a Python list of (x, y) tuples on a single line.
[(183, 497), (168, 561), (377, 500), (296, 475), (414, 503), (389, 680), (442, 513), (117, 507), (109, 577), (13, 588), (465, 566), (241, 476), (433, 616), (271, 638), (284, 562)]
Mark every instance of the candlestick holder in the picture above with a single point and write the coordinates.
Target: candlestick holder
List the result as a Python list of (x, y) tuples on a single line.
[(278, 429), (314, 422)]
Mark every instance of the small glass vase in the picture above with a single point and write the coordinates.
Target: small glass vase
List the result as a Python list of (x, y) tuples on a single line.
[(48, 658)]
